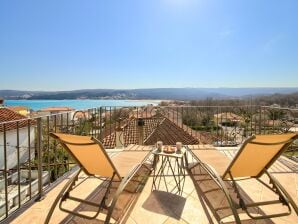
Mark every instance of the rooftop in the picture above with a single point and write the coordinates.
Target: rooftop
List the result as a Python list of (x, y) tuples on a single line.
[(195, 205), (17, 108), (154, 129), (41, 166), (57, 109), (7, 115)]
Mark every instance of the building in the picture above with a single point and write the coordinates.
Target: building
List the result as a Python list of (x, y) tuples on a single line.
[(54, 110), (25, 111), (14, 126), (65, 114), (147, 131), (227, 118)]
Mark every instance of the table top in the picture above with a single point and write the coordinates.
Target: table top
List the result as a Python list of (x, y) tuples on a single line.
[(175, 154)]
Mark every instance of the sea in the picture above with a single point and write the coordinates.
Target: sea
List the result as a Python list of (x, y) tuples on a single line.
[(78, 104)]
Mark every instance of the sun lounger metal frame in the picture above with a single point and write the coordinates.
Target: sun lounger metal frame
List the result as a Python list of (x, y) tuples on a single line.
[(276, 187), (70, 185)]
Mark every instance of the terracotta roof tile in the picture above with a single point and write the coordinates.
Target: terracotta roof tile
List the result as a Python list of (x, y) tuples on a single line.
[(155, 129), (170, 133), (17, 108), (7, 115), (54, 109)]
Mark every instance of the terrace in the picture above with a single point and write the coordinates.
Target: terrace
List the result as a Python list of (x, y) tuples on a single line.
[(29, 188)]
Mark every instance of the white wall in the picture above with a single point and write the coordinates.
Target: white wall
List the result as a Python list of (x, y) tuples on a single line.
[(11, 150)]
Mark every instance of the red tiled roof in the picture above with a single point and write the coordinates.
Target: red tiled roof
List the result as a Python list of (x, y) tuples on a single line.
[(7, 115), (147, 112), (155, 129), (17, 108), (54, 109), (81, 114), (169, 133), (228, 115)]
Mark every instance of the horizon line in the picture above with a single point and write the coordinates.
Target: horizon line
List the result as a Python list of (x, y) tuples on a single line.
[(249, 87)]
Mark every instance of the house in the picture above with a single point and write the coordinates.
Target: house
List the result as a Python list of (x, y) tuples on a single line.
[(65, 113), (14, 129), (275, 105), (227, 118), (146, 112), (17, 147), (54, 110), (147, 131), (21, 110)]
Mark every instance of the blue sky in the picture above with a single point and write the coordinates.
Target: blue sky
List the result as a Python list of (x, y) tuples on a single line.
[(71, 44)]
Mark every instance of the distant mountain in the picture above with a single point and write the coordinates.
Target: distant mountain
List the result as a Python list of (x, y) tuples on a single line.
[(156, 93), (18, 94)]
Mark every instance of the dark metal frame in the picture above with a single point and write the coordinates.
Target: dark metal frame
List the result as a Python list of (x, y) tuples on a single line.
[(284, 197), (71, 184), (179, 162), (103, 122)]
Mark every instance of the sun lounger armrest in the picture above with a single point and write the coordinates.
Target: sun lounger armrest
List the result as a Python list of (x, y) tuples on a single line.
[(217, 178), (120, 189), (284, 192)]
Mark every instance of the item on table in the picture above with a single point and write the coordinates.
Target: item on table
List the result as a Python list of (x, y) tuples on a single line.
[(159, 145), (179, 146), (169, 149)]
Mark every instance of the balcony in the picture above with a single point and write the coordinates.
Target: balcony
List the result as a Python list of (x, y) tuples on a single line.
[(35, 168)]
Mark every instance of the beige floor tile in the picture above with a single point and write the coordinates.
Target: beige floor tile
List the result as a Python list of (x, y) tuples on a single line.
[(148, 209), (187, 184), (175, 221), (193, 206), (130, 221)]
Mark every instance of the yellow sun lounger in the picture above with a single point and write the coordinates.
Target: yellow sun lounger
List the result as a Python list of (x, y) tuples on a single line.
[(252, 160), (92, 158)]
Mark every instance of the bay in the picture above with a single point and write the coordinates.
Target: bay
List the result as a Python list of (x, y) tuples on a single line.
[(77, 104)]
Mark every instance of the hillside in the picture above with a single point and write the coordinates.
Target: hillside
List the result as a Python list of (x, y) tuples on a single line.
[(157, 93)]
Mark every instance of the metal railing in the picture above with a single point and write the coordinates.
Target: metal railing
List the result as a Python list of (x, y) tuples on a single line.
[(31, 162), (215, 125)]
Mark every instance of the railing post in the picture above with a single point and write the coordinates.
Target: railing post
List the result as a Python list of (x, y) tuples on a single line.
[(100, 124), (260, 120), (39, 158), (5, 173)]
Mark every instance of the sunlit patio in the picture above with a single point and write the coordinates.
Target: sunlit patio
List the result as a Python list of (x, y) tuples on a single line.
[(196, 204), (36, 165), (148, 112)]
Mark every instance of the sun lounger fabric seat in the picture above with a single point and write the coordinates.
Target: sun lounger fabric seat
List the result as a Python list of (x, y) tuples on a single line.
[(92, 158), (252, 160)]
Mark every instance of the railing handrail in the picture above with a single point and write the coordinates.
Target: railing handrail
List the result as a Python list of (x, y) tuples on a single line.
[(280, 108), (103, 125), (178, 106), (45, 116)]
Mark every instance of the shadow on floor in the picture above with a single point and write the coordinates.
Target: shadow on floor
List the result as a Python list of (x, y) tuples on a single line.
[(124, 205), (165, 203), (209, 192)]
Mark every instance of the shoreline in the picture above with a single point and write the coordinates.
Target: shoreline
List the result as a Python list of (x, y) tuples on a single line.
[(79, 104)]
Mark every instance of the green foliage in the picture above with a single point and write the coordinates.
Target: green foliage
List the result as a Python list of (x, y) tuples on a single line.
[(246, 114), (229, 123), (284, 100), (205, 128), (56, 161), (116, 115), (163, 103), (197, 120), (276, 114)]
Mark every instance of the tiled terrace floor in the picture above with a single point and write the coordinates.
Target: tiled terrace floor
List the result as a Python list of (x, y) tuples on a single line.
[(160, 207)]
